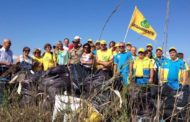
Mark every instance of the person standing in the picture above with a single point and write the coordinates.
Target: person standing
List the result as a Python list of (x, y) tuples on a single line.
[(150, 48), (104, 60), (74, 58), (62, 54), (134, 52), (173, 71), (90, 42), (128, 46), (123, 64), (6, 56), (159, 61), (66, 44), (25, 60), (97, 45), (37, 59), (87, 59), (111, 44), (49, 58), (143, 68)]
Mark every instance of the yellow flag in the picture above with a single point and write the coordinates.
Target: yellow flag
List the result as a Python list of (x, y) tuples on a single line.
[(140, 25)]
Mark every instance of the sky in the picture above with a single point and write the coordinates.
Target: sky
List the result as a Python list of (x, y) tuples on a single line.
[(35, 22)]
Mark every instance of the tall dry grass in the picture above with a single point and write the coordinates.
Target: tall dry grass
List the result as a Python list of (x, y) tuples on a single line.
[(11, 111)]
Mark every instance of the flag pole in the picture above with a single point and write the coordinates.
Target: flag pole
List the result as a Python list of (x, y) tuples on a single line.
[(127, 30), (126, 33)]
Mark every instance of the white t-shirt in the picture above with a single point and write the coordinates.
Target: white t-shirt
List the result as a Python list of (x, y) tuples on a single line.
[(65, 48)]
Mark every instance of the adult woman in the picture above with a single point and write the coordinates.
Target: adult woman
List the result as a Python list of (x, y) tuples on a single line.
[(62, 54), (25, 60), (87, 58), (49, 59), (37, 59)]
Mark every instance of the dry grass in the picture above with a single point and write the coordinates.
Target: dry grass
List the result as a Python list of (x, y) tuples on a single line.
[(12, 112)]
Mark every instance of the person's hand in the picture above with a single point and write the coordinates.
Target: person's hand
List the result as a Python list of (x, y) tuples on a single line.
[(184, 83), (82, 62), (130, 76), (8, 63), (105, 64), (150, 81), (116, 74)]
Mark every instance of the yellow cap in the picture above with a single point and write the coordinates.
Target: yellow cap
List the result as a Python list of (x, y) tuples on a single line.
[(128, 43), (159, 48), (103, 42), (172, 48), (141, 50), (97, 41), (149, 45), (117, 45)]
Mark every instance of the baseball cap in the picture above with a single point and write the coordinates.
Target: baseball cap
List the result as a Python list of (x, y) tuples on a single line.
[(149, 45), (172, 49), (141, 50), (128, 43), (90, 40), (159, 48), (103, 42), (77, 37)]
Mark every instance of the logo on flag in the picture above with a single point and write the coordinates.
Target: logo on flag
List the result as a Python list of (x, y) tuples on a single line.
[(140, 25)]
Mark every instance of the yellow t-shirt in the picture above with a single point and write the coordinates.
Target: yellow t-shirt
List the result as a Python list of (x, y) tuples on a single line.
[(142, 64), (38, 66), (104, 56), (48, 60)]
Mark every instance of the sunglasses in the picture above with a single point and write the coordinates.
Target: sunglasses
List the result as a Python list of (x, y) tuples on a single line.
[(121, 46), (103, 44), (141, 53)]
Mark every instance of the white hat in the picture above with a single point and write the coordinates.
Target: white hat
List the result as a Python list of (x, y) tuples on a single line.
[(77, 37), (90, 40)]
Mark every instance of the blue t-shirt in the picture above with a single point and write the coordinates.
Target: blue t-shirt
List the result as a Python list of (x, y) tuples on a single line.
[(94, 52), (160, 61), (172, 70), (123, 60)]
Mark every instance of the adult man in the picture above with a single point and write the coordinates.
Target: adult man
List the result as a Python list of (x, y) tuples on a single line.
[(143, 69), (75, 53), (134, 52), (104, 60), (149, 47), (66, 44), (6, 56), (76, 38), (97, 47), (180, 56), (129, 46), (74, 57), (159, 61), (90, 41), (173, 70), (123, 64)]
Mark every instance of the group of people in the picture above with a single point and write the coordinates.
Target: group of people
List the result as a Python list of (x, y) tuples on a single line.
[(141, 66)]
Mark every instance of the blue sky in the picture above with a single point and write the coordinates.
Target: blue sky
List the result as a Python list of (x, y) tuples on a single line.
[(34, 22)]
